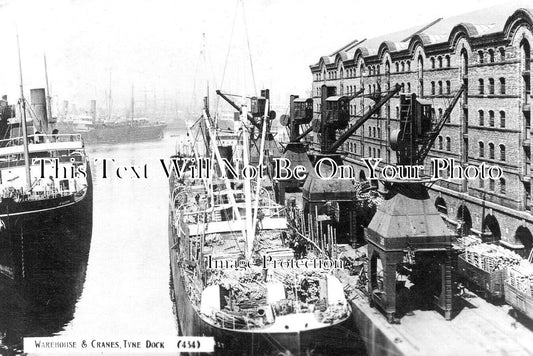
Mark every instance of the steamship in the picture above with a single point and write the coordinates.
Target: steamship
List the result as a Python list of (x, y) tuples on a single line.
[(96, 132), (45, 182), (221, 232)]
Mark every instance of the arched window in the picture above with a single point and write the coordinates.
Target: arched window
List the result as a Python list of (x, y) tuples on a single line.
[(491, 150), (373, 132), (369, 131), (397, 112), (439, 60), (503, 189), (397, 67), (480, 57), (502, 119), (432, 88), (440, 87), (481, 149), (379, 132), (379, 153), (440, 113), (408, 66), (502, 152), (491, 86), (448, 61), (408, 87), (491, 118), (440, 142), (481, 87), (432, 60), (491, 185), (403, 66), (448, 144), (448, 87), (491, 55), (369, 152), (502, 54), (502, 85), (403, 87), (481, 117)]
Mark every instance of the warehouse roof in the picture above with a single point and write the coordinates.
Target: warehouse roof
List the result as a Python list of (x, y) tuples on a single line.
[(479, 23)]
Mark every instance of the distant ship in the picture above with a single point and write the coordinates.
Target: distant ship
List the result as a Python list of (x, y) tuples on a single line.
[(95, 132)]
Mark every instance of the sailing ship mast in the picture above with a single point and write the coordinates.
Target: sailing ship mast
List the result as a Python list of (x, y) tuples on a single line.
[(48, 98), (23, 124), (132, 105)]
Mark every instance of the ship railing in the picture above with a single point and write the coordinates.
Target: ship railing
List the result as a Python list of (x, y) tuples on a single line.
[(41, 138), (18, 194)]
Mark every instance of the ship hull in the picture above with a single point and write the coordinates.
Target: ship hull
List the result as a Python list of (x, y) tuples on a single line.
[(36, 236), (339, 339), (118, 134)]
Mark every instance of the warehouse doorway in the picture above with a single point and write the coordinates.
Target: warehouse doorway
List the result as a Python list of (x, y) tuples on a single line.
[(492, 227), (465, 221), (523, 235)]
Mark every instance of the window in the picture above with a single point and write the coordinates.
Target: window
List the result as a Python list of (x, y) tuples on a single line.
[(448, 87), (502, 153), (481, 183), (491, 86), (373, 132), (432, 88), (491, 55), (503, 189), (408, 66), (491, 184), (481, 149), (432, 62), (480, 57), (439, 60), (448, 61), (448, 144), (502, 86), (491, 150), (481, 87), (403, 87), (440, 142), (379, 132), (369, 152), (502, 54), (481, 117), (403, 66), (369, 131), (491, 118), (502, 119), (397, 67), (397, 112), (408, 87), (379, 153), (440, 87)]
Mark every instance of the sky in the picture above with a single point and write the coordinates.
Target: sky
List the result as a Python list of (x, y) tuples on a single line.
[(155, 47)]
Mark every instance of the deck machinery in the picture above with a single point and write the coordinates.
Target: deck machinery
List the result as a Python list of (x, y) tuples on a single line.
[(407, 231), (301, 113)]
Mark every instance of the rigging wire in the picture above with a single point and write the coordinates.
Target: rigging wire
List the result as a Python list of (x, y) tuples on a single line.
[(249, 48)]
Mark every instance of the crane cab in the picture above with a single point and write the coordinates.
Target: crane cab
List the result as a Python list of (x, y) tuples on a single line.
[(303, 110), (337, 111)]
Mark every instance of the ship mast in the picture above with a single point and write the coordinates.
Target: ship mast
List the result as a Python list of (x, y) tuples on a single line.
[(48, 98), (132, 105), (23, 124)]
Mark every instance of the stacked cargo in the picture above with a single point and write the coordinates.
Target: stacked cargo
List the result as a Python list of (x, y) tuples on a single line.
[(521, 277), (490, 258)]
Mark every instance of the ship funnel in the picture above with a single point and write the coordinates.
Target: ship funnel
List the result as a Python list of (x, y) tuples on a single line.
[(38, 104)]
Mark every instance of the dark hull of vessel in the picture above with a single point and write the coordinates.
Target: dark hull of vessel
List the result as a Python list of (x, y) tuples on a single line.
[(36, 235), (118, 134), (339, 339)]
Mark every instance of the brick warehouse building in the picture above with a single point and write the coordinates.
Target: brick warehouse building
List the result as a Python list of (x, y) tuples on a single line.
[(490, 52)]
